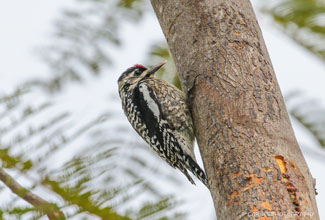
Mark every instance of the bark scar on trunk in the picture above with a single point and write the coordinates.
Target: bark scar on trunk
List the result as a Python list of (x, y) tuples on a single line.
[(290, 186)]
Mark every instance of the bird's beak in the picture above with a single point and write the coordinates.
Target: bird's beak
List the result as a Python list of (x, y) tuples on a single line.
[(155, 68)]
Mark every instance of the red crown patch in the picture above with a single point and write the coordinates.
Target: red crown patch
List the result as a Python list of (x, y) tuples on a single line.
[(139, 65)]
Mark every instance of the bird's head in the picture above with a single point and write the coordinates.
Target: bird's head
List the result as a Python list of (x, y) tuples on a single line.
[(136, 73)]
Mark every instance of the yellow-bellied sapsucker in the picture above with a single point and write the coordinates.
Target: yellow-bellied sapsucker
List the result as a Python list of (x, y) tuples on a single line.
[(159, 113)]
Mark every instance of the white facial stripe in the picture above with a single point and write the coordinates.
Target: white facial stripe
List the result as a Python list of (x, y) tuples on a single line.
[(152, 105), (143, 74)]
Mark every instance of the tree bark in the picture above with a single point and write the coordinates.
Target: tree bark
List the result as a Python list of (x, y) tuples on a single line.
[(253, 162)]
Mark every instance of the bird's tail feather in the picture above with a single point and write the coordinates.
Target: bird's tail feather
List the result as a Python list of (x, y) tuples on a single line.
[(184, 171), (196, 170)]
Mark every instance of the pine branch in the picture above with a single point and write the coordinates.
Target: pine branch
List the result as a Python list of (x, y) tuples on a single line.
[(50, 209)]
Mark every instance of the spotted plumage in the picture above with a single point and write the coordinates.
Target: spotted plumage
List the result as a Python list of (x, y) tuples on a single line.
[(158, 112)]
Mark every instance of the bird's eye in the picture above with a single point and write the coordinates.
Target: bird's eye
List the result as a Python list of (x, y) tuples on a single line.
[(137, 72)]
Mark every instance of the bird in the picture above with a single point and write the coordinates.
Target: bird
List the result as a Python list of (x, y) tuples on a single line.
[(159, 113)]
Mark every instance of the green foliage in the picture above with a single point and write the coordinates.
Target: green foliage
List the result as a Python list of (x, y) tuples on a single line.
[(303, 21), (84, 37), (87, 183), (85, 169), (9, 161), (19, 212)]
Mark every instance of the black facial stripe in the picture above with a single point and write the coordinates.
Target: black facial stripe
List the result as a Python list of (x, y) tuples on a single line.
[(130, 70), (141, 68)]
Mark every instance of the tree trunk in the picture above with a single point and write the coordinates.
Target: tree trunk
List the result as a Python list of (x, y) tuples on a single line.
[(252, 159)]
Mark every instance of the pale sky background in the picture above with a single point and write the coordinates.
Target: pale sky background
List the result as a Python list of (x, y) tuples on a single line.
[(26, 25)]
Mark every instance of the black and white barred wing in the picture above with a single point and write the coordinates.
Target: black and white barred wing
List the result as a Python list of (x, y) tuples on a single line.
[(153, 127), (175, 110), (151, 124)]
